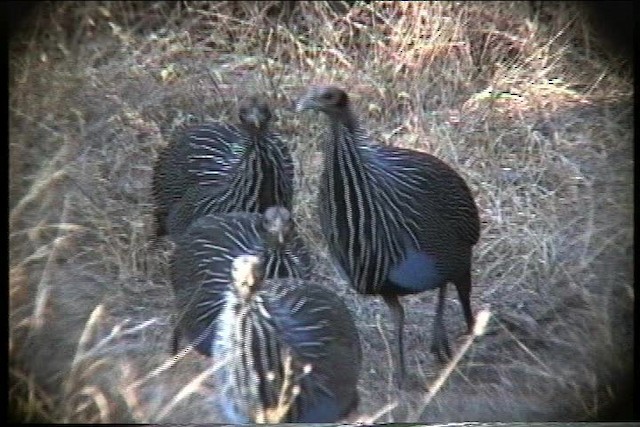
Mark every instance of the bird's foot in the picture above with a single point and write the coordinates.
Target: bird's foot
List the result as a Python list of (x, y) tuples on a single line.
[(442, 351)]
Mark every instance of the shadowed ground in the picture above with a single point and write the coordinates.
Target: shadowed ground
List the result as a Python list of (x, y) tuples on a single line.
[(525, 103)]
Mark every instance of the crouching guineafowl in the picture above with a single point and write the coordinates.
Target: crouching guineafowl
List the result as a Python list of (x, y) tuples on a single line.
[(288, 350), (201, 265), (397, 221), (220, 167)]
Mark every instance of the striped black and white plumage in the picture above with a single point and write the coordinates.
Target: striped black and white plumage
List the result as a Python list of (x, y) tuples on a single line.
[(219, 168), (201, 264), (289, 350), (397, 221)]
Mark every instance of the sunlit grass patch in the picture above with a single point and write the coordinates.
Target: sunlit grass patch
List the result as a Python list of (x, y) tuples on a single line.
[(524, 103)]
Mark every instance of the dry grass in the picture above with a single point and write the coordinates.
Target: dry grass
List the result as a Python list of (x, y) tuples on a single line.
[(528, 107)]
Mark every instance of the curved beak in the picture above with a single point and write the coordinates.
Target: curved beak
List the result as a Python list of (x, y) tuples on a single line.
[(255, 118), (306, 102), (278, 229)]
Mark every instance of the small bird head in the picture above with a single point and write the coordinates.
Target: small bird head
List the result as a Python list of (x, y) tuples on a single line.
[(328, 99), (247, 272), (254, 112), (278, 223)]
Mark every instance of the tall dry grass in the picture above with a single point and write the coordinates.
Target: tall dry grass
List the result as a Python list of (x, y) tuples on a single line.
[(527, 104)]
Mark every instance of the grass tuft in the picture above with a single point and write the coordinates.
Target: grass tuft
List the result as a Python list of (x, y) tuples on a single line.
[(526, 102)]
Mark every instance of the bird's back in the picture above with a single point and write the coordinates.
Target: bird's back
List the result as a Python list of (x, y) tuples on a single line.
[(306, 332), (439, 192), (409, 220), (440, 216), (201, 155), (226, 170), (201, 266)]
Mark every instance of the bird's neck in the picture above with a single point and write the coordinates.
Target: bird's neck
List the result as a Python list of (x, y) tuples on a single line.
[(252, 130), (358, 207), (346, 118), (244, 189), (343, 143)]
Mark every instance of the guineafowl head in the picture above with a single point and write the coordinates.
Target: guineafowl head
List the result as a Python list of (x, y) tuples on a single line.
[(277, 222), (328, 99), (246, 273), (254, 113)]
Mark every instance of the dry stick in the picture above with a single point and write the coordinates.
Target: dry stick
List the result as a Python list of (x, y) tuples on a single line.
[(129, 395), (388, 351), (526, 349), (95, 317), (118, 331), (36, 190), (482, 318), (83, 351), (128, 392), (373, 418), (44, 287), (160, 369), (191, 388), (39, 400), (285, 398), (48, 175), (33, 232), (100, 400)]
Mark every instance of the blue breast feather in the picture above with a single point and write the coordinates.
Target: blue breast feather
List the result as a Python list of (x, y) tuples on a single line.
[(416, 273)]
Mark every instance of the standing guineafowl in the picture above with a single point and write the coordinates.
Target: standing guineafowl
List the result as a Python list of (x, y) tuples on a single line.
[(201, 265), (218, 168), (288, 350), (397, 221)]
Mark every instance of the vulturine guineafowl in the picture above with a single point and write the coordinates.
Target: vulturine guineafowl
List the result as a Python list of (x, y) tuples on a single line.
[(397, 221), (219, 168), (201, 265), (288, 350)]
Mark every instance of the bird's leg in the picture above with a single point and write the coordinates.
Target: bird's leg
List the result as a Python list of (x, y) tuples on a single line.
[(463, 285), (175, 341), (440, 346), (397, 312)]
